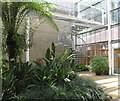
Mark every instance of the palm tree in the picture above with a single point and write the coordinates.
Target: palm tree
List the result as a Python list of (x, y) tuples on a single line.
[(13, 14)]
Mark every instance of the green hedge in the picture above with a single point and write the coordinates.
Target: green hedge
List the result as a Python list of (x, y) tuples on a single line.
[(99, 65)]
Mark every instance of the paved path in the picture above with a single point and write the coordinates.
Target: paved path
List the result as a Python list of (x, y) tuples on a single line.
[(111, 84)]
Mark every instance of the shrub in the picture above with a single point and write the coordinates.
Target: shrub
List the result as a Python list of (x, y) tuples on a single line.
[(54, 69), (15, 77), (51, 78), (99, 65), (78, 88), (86, 89), (80, 67), (56, 81)]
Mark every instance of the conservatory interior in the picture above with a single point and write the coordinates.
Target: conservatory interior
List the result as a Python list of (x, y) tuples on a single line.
[(88, 37), (88, 28)]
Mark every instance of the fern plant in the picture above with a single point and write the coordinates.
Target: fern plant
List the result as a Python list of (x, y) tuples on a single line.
[(13, 14)]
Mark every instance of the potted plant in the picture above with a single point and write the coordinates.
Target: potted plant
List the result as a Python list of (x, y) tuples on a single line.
[(99, 65)]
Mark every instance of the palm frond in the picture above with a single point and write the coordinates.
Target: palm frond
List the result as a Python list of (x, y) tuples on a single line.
[(13, 13)]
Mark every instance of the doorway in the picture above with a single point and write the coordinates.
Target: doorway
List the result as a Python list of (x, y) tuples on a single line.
[(116, 59)]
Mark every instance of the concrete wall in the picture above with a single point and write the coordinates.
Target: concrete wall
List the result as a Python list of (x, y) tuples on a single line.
[(43, 37)]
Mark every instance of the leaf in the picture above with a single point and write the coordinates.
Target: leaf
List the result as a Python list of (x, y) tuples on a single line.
[(47, 55), (38, 77), (62, 93), (46, 60), (8, 78), (63, 55), (53, 47), (38, 64), (32, 85), (70, 57), (72, 63)]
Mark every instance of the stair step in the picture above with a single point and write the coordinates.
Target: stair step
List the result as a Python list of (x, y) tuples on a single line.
[(107, 80), (111, 89)]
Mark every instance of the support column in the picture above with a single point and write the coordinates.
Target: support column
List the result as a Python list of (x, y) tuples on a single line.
[(73, 42), (27, 37), (103, 15), (110, 36), (78, 5)]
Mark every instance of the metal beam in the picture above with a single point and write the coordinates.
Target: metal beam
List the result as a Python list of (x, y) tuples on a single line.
[(92, 6), (76, 19), (79, 24)]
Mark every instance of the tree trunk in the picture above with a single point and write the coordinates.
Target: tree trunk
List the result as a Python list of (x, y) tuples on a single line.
[(11, 46)]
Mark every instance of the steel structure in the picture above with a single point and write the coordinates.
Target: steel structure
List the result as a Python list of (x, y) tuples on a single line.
[(94, 29)]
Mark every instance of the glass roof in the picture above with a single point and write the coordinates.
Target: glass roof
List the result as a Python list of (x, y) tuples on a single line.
[(59, 2), (68, 10), (72, 1)]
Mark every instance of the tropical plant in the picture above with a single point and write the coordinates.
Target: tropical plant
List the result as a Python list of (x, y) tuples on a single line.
[(80, 67), (99, 65), (49, 79), (85, 90), (54, 69), (0, 60), (77, 89), (13, 14), (15, 77)]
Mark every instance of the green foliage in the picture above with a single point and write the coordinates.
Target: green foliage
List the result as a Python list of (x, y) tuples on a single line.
[(21, 42), (80, 67), (78, 88), (53, 50), (99, 65), (0, 60), (13, 14), (85, 89), (15, 78), (50, 78), (48, 53), (55, 69)]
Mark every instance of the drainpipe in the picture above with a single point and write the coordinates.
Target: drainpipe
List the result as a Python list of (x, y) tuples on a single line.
[(109, 36), (27, 37)]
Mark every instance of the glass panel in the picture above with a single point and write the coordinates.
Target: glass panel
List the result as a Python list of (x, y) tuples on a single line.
[(117, 61), (116, 16), (115, 4)]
